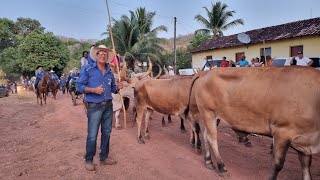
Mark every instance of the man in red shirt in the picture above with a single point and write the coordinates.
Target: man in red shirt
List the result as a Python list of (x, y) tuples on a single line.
[(224, 62)]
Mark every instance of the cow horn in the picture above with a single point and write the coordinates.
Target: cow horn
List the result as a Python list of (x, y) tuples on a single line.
[(148, 72), (123, 74), (160, 72)]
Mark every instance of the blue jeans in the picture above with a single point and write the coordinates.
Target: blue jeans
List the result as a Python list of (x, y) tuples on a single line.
[(99, 114)]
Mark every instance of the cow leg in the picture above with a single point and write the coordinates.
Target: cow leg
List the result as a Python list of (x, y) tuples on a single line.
[(207, 157), (182, 128), (116, 115), (197, 131), (194, 137), (280, 149), (146, 132), (163, 122), (45, 98), (211, 124), (139, 115), (305, 161), (169, 119)]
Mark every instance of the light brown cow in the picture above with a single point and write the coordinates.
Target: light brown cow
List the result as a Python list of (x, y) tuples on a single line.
[(167, 96), (280, 102)]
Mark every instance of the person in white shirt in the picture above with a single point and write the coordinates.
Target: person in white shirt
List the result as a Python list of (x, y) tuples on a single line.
[(84, 59), (171, 72), (301, 60)]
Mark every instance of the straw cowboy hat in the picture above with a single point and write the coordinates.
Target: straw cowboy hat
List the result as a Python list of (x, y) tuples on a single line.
[(170, 67), (52, 71), (95, 50)]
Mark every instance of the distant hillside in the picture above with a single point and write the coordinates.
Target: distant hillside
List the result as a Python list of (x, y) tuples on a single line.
[(181, 41), (67, 39)]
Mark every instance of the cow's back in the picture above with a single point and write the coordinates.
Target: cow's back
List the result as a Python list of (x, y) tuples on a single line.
[(264, 100)]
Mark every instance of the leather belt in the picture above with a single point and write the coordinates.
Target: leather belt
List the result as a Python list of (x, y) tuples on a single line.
[(101, 103)]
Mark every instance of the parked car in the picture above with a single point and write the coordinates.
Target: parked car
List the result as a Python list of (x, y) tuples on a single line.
[(3, 91), (214, 63), (286, 62)]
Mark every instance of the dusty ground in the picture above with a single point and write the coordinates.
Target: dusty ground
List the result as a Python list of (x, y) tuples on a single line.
[(49, 142)]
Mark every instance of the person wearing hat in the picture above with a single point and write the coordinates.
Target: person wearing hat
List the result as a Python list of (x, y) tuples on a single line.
[(300, 60), (39, 74), (171, 72), (97, 82), (63, 83)]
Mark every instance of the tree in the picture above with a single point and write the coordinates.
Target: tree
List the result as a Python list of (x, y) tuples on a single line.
[(43, 49), (135, 38), (25, 26), (9, 63), (217, 21), (7, 37), (197, 40)]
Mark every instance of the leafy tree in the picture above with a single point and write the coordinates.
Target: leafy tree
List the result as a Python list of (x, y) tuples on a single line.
[(9, 64), (217, 20), (197, 40), (43, 49), (3, 77), (7, 37), (25, 26)]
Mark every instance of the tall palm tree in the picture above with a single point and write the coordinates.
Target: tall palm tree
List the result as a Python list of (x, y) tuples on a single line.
[(135, 38), (217, 21)]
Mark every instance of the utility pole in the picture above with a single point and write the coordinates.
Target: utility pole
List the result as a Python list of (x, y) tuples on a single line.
[(174, 46)]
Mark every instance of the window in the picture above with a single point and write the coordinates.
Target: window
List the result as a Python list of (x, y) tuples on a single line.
[(209, 57), (294, 50), (238, 56), (268, 53)]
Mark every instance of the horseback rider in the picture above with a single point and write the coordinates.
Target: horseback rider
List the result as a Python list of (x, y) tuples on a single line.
[(39, 74), (54, 76)]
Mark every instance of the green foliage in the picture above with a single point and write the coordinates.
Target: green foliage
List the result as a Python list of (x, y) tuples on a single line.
[(7, 37), (3, 77), (25, 26), (43, 49), (217, 20), (9, 64)]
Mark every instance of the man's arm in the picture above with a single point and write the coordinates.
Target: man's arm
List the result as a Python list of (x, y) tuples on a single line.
[(310, 62)]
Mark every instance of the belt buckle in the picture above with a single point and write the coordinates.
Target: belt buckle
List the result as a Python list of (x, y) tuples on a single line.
[(104, 103)]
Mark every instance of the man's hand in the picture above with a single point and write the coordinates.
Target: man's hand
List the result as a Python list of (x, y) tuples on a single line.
[(99, 90), (119, 85)]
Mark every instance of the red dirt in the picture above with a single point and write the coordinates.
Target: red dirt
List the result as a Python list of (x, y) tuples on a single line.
[(49, 142)]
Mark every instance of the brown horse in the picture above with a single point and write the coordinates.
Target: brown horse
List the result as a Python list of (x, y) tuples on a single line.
[(54, 88), (42, 89)]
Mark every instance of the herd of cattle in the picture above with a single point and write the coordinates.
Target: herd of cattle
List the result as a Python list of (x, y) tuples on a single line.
[(279, 102)]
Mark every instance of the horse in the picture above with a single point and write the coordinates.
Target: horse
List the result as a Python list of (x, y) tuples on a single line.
[(42, 89), (54, 86)]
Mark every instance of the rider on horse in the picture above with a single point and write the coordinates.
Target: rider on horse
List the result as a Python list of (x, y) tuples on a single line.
[(74, 75), (54, 76), (39, 74)]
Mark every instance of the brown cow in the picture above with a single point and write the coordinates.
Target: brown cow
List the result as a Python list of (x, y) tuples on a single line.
[(167, 96), (280, 102)]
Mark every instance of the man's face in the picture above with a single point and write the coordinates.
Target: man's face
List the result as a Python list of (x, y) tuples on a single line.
[(300, 56), (40, 68), (102, 56)]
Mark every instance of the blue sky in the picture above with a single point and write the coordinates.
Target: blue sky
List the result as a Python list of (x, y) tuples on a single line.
[(87, 19)]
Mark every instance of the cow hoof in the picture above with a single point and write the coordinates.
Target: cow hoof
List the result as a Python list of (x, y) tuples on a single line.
[(210, 166), (248, 144), (147, 136), (224, 174), (183, 131), (140, 140)]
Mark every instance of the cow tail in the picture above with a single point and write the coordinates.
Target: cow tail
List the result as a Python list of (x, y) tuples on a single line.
[(186, 111)]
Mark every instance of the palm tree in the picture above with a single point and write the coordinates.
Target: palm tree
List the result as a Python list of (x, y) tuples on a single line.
[(135, 38), (217, 21)]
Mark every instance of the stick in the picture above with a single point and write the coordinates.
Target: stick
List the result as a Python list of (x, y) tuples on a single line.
[(118, 63), (265, 57)]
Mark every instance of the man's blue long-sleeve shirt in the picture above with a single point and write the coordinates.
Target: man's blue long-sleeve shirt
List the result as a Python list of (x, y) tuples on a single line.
[(40, 74), (92, 77)]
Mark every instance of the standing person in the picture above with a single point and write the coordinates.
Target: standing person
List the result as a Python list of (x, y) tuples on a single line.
[(63, 83), (84, 58), (224, 62), (97, 82), (243, 62), (39, 74), (171, 72), (301, 60)]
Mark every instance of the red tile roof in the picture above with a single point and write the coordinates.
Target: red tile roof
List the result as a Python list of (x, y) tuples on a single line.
[(309, 27)]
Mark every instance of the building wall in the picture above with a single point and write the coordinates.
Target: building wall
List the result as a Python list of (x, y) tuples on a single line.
[(279, 49)]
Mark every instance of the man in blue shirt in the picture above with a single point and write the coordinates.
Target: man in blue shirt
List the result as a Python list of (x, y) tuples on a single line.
[(97, 82), (39, 74), (63, 83), (54, 76), (243, 62)]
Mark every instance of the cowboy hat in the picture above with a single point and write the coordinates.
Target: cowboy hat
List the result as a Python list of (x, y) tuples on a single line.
[(170, 67), (39, 66), (95, 50), (52, 71)]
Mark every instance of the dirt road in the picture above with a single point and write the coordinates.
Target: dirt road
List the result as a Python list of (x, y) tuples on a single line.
[(49, 142)]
